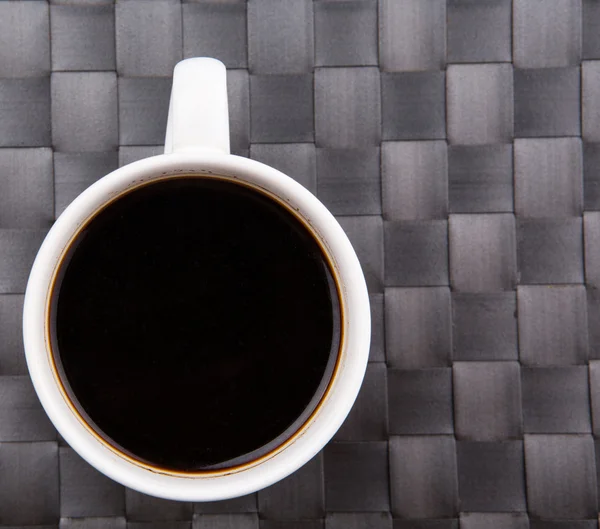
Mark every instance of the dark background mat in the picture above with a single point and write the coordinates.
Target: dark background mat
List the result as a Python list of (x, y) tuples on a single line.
[(459, 145)]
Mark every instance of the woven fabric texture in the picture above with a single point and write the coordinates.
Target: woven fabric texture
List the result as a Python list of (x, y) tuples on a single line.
[(458, 144)]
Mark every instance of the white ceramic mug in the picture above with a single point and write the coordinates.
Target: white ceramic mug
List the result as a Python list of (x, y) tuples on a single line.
[(197, 142)]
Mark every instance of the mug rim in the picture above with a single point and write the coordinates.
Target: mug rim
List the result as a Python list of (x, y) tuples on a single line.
[(344, 384)]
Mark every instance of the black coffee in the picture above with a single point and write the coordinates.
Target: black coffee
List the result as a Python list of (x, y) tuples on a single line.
[(196, 323)]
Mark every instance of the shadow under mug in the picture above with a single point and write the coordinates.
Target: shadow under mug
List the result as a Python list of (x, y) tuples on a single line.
[(197, 145)]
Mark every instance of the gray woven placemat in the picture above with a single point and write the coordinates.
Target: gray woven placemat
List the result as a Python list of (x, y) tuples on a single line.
[(458, 143)]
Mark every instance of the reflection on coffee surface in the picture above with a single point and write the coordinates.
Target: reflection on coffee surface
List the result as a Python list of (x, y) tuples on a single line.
[(195, 323)]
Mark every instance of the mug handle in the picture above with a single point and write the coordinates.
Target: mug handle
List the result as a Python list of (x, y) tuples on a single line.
[(198, 111)]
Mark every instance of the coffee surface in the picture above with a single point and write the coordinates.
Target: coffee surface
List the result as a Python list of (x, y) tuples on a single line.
[(196, 322)]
